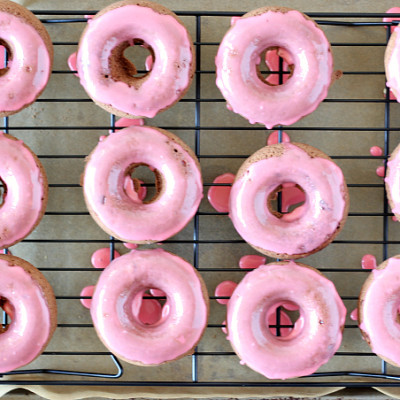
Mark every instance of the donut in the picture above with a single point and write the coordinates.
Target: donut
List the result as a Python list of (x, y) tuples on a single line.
[(107, 76), (392, 60), (309, 58), (29, 301), (30, 53), (378, 310), (117, 301), (308, 228), (392, 181), (178, 183), (316, 335), (25, 190)]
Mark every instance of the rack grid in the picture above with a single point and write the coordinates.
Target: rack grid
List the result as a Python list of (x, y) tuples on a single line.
[(344, 20)]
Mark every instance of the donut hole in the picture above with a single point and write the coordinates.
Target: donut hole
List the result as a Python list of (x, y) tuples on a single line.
[(5, 57), (3, 192), (143, 183), (131, 61), (149, 306), (274, 66), (6, 314), (282, 318), (285, 199)]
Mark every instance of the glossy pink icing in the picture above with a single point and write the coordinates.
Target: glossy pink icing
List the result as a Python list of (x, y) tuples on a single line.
[(394, 10), (72, 62), (316, 335), (239, 53), (87, 291), (29, 330), (30, 68), (126, 122), (376, 151), (298, 232), (272, 62), (131, 246), (284, 319), (171, 70), (380, 171), (392, 180), (368, 261), (3, 62), (130, 190), (101, 257), (23, 203), (135, 221), (273, 138), (218, 196), (392, 64), (182, 322), (225, 289), (150, 311), (251, 261), (354, 315), (379, 311)]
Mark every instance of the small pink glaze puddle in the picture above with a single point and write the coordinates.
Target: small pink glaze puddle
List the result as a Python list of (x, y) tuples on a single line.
[(380, 171), (273, 138), (225, 289), (126, 123), (72, 63), (101, 257), (284, 320), (368, 261), (234, 19), (87, 292), (272, 62), (218, 196), (251, 261), (150, 311), (131, 246), (129, 186), (376, 151), (149, 63), (157, 293), (291, 195), (354, 315), (394, 10)]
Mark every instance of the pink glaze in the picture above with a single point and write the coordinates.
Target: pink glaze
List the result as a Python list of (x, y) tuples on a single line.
[(118, 325), (380, 171), (131, 246), (290, 196), (171, 71), (218, 196), (72, 62), (225, 289), (392, 63), (149, 63), (234, 19), (29, 330), (251, 261), (308, 226), (376, 151), (126, 122), (3, 62), (284, 320), (239, 54), (30, 66), (316, 335), (101, 257), (272, 62), (368, 262), (273, 138), (26, 187), (150, 311), (394, 10), (87, 292), (392, 180), (379, 310), (6, 251), (157, 292), (354, 315), (135, 221), (130, 190)]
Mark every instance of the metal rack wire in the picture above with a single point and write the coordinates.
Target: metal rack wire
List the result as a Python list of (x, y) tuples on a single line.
[(117, 378)]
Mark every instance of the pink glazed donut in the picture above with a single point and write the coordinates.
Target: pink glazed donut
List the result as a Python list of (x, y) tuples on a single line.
[(108, 77), (29, 301), (378, 310), (25, 190), (316, 335), (178, 182), (115, 307), (30, 54), (308, 228), (239, 79)]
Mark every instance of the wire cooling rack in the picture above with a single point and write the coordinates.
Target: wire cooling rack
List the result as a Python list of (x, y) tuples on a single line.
[(329, 377)]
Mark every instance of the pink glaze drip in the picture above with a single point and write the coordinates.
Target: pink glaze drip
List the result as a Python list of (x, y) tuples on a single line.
[(272, 62), (394, 10), (225, 289), (126, 122), (392, 181), (133, 220), (354, 315), (368, 262), (150, 311), (392, 63), (171, 71), (224, 329), (376, 151), (101, 257), (380, 171), (149, 63), (72, 63), (303, 230), (272, 319), (273, 138), (157, 293), (87, 292), (316, 335), (251, 97), (183, 319), (129, 187), (218, 196), (379, 309), (30, 68), (29, 330), (251, 261), (131, 246), (3, 62), (22, 205), (234, 19)]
